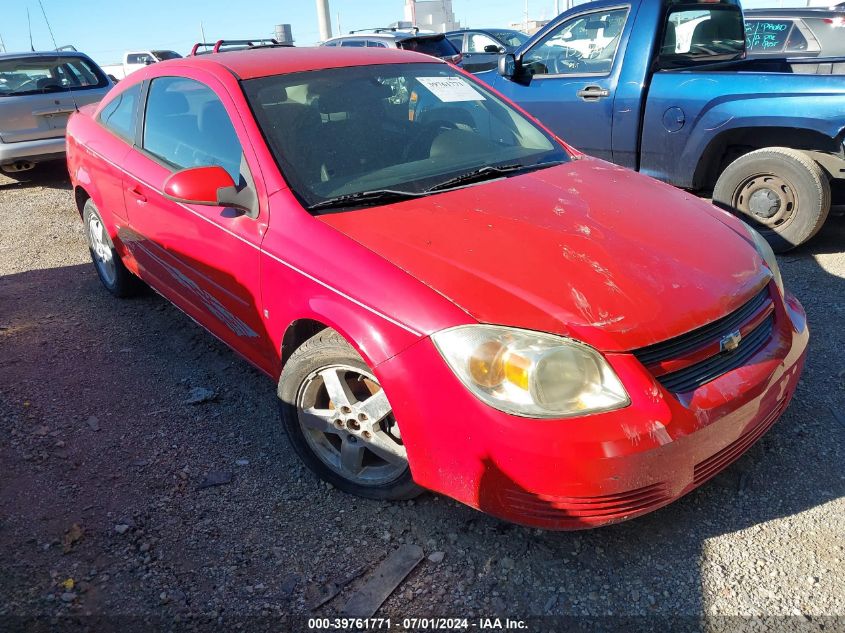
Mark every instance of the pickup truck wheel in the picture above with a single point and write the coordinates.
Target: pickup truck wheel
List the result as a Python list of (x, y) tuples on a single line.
[(340, 423), (779, 191), (110, 269)]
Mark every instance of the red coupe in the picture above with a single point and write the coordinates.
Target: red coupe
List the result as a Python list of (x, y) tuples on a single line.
[(448, 295)]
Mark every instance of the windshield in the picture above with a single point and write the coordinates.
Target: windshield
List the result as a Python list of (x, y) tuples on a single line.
[(36, 75), (510, 38), (398, 127), (164, 55)]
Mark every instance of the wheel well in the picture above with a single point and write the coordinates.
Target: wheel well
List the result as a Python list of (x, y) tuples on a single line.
[(297, 333), (730, 145), (81, 197)]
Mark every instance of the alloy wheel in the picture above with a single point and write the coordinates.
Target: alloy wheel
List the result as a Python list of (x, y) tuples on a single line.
[(101, 250), (348, 423)]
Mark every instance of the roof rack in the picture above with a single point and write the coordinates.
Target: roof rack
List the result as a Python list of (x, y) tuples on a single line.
[(243, 44), (386, 29)]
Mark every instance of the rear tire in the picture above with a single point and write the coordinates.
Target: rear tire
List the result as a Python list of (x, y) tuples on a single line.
[(353, 445), (779, 191), (110, 269)]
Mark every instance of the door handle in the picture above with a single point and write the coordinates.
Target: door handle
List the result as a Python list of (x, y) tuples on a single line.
[(138, 194), (593, 93)]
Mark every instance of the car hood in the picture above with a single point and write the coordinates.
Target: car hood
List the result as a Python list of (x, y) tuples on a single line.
[(586, 249)]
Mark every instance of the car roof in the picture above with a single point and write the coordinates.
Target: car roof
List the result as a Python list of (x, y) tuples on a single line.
[(251, 64), (491, 29), (398, 36), (42, 54), (810, 12)]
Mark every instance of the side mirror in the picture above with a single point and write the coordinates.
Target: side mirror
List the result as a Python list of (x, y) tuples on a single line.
[(210, 186), (510, 67), (507, 65), (148, 61), (493, 48)]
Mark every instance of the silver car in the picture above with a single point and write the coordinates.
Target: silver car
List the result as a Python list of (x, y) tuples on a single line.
[(38, 92)]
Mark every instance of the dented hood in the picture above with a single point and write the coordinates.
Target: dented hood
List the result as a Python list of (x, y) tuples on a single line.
[(586, 249)]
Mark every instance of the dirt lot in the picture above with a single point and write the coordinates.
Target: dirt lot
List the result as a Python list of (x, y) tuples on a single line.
[(102, 461)]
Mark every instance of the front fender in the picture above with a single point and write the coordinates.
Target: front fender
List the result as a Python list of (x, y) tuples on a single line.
[(704, 106), (310, 270)]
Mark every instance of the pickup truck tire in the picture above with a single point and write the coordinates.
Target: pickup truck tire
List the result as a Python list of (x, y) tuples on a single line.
[(340, 423), (780, 191), (110, 269)]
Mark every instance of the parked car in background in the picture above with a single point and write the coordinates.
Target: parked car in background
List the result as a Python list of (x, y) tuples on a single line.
[(665, 87), (135, 60), (434, 44), (481, 47), (38, 92), (795, 32), (446, 297)]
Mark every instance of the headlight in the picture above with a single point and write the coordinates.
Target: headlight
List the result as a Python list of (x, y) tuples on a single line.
[(530, 374), (767, 254)]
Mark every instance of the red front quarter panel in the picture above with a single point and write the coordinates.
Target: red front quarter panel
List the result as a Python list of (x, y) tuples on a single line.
[(311, 271)]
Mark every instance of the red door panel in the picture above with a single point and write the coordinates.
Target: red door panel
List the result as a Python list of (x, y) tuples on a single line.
[(204, 259)]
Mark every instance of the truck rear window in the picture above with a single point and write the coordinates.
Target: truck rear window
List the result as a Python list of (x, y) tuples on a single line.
[(703, 35), (49, 73)]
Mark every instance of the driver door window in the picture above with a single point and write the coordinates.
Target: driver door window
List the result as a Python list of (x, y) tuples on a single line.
[(478, 41), (583, 45)]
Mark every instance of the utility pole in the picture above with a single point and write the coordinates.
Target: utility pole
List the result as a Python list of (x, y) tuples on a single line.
[(2, 44), (525, 16), (324, 19)]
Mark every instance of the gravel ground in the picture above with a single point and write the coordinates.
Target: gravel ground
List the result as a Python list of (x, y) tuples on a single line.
[(102, 465)]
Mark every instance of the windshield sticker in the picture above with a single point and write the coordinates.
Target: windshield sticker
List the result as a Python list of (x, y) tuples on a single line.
[(450, 89)]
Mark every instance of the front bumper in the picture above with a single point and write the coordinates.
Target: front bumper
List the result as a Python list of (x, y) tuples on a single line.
[(598, 469), (34, 151)]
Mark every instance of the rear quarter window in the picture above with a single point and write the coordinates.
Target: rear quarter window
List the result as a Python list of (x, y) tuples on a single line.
[(119, 114), (767, 36)]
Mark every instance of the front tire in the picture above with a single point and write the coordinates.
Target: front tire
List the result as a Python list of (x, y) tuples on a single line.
[(340, 423), (780, 191), (110, 269)]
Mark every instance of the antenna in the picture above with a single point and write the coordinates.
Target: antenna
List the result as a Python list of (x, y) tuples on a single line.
[(29, 24), (49, 28), (56, 48)]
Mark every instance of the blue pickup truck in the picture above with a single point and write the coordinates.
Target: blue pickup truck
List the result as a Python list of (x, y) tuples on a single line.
[(665, 87)]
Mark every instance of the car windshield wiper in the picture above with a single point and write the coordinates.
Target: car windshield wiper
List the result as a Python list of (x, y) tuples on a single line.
[(363, 197), (489, 172)]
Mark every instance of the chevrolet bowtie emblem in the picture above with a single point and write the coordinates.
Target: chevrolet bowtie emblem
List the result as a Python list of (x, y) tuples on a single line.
[(730, 342)]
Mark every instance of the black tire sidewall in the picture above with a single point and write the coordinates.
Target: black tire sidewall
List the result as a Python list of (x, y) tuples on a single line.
[(810, 201), (302, 364)]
